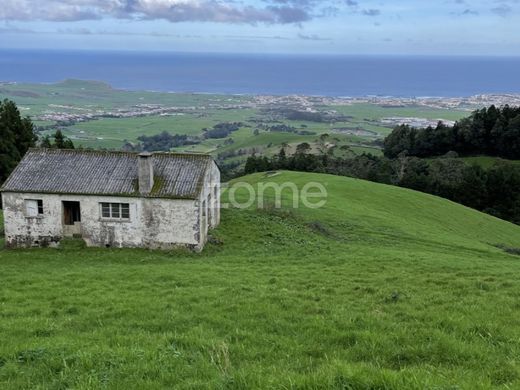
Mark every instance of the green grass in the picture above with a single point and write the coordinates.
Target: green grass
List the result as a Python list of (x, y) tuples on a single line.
[(112, 132), (383, 288), (484, 162), (94, 94), (374, 112), (488, 161)]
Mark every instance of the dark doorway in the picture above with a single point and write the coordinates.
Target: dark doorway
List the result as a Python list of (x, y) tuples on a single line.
[(71, 213)]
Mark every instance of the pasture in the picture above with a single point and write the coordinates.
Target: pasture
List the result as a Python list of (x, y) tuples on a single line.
[(382, 288)]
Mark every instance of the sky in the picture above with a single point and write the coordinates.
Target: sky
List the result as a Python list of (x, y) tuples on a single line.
[(402, 27)]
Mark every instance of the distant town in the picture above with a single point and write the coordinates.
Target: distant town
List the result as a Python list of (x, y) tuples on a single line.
[(75, 114)]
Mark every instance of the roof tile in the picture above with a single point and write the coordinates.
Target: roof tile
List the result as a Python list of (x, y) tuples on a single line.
[(87, 172)]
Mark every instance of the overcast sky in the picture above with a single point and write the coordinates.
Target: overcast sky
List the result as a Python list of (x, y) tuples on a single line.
[(475, 27)]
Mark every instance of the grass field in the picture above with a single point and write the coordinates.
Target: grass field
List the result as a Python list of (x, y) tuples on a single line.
[(80, 93), (382, 288)]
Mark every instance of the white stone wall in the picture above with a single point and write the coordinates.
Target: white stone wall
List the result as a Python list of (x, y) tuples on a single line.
[(154, 223), (210, 198), (215, 185)]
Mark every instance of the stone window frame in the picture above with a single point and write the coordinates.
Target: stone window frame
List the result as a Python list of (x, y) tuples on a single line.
[(39, 208), (116, 210)]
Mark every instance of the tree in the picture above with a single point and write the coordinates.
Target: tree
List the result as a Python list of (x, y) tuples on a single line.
[(9, 155), (322, 143), (59, 139), (46, 142), (445, 177), (67, 144), (251, 165), (282, 159), (303, 148), (493, 131), (473, 190), (21, 128), (412, 172), (16, 137), (62, 142), (402, 139), (503, 196), (509, 142)]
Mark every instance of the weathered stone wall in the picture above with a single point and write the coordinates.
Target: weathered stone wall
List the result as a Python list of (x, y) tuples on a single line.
[(215, 185), (210, 198), (154, 223)]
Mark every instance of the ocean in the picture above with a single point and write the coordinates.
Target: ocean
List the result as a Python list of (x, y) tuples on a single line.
[(399, 76)]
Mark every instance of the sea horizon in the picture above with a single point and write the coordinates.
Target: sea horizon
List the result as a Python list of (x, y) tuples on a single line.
[(327, 75)]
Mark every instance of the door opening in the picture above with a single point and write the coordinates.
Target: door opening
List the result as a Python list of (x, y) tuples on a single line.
[(71, 213)]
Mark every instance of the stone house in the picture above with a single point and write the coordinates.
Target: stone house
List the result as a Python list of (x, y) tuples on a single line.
[(111, 199)]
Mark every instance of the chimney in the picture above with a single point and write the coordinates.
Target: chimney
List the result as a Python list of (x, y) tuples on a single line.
[(145, 169)]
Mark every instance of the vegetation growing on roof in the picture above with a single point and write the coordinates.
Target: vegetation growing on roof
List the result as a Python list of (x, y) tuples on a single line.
[(158, 185)]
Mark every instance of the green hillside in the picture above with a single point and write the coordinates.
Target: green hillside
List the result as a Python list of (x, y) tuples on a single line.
[(382, 288)]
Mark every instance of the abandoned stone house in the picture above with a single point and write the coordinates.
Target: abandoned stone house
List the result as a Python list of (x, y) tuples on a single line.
[(111, 199)]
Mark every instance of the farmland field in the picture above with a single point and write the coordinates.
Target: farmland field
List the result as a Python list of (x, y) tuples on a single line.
[(382, 288), (97, 116)]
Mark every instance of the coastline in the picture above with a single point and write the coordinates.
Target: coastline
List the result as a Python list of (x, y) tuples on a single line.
[(275, 75), (368, 98)]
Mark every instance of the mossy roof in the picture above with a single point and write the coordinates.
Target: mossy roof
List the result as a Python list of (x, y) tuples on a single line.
[(91, 172)]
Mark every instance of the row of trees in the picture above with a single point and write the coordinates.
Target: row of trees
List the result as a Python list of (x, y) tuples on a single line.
[(165, 141), (221, 130), (60, 141), (491, 131), (495, 191), (16, 137)]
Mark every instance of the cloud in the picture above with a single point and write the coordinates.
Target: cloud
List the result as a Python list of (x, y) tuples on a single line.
[(312, 37), (286, 15), (218, 11), (86, 31), (256, 37), (177, 11), (15, 30), (466, 12), (371, 12), (25, 10), (502, 10)]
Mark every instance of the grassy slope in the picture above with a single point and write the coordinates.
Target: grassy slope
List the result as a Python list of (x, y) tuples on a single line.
[(385, 289)]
